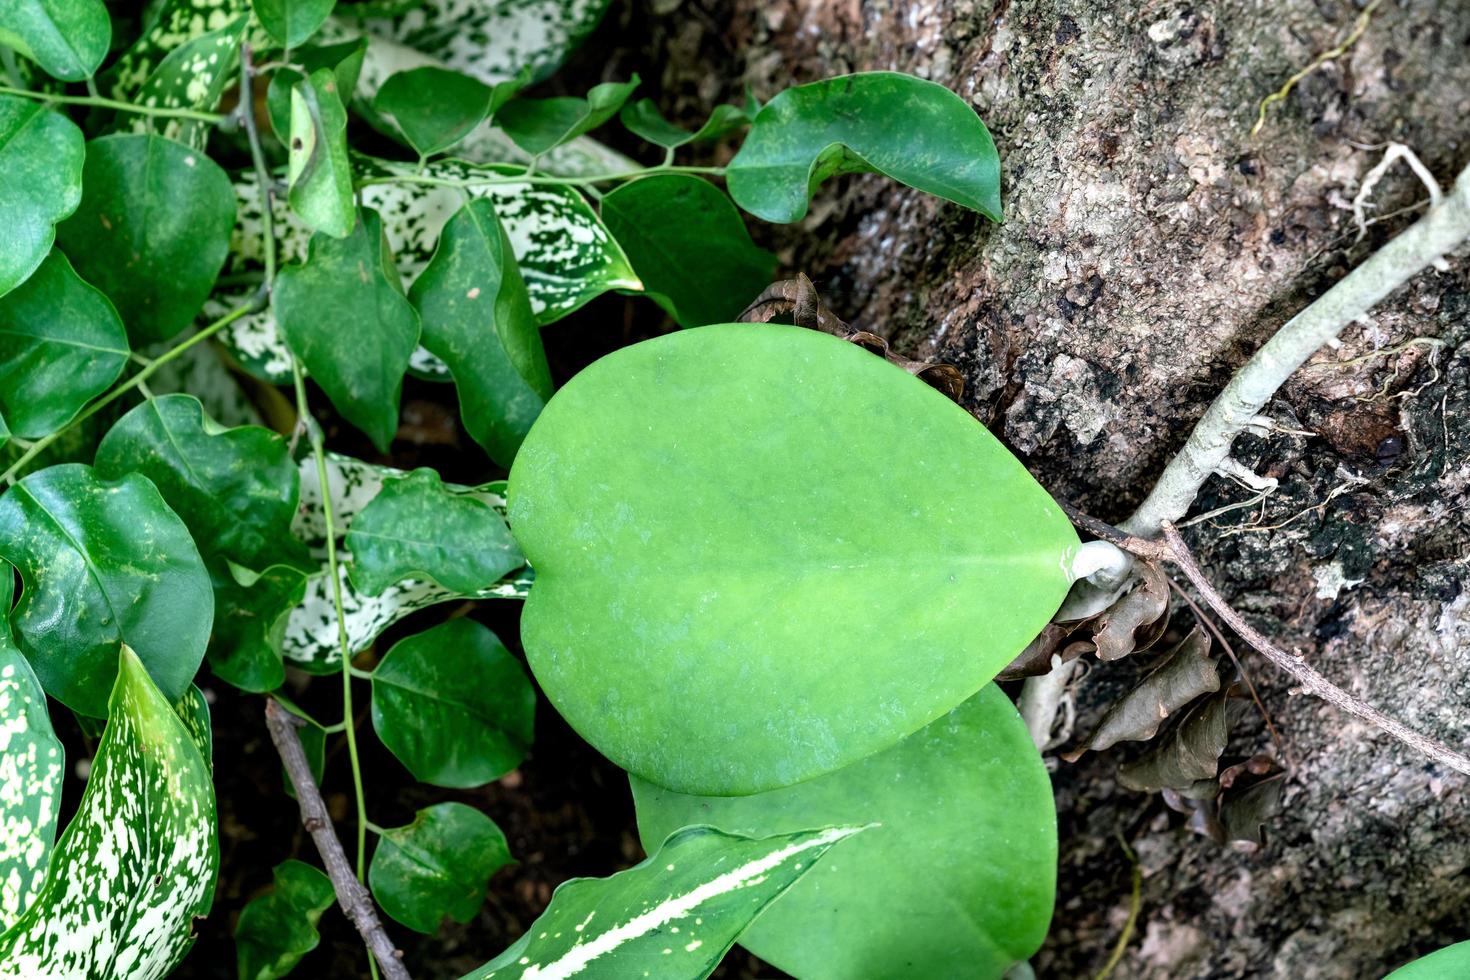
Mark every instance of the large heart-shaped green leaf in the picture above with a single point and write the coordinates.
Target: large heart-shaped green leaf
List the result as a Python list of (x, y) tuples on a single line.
[(138, 861), (31, 758), (804, 555), (277, 929), (915, 131), (61, 345), (689, 246), (41, 156), (477, 318), (1450, 963), (437, 866), (360, 368), (956, 880), (418, 528), (68, 38), (235, 489), (102, 563), (674, 916), (453, 705), (152, 230)]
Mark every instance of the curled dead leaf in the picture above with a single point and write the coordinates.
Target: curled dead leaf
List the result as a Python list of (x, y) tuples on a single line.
[(1187, 672), (1138, 619), (1187, 758)]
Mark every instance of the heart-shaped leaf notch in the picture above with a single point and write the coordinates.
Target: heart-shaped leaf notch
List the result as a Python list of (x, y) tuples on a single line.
[(762, 553)]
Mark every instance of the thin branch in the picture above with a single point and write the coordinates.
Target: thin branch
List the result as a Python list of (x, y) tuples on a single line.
[(213, 118), (1301, 671), (530, 177), (352, 894)]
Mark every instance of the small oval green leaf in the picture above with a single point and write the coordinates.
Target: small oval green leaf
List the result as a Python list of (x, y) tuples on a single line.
[(152, 231), (278, 928), (915, 131), (235, 489), (61, 345), (434, 107), (41, 155), (437, 866), (956, 880), (103, 563), (643, 119), (361, 368), (806, 554), (292, 22), (454, 706), (689, 246), (318, 172), (538, 125), (1450, 963)]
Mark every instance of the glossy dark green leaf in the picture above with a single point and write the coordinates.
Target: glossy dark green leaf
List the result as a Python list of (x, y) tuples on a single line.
[(152, 231), (41, 155), (915, 131), (434, 107), (235, 489), (689, 246), (417, 528), (67, 38), (61, 345), (437, 866), (643, 119), (477, 318), (137, 864), (103, 563), (345, 59), (292, 22), (453, 705), (674, 916), (538, 125), (318, 171), (359, 353), (31, 775), (1450, 963), (278, 928), (245, 647), (790, 580), (956, 879)]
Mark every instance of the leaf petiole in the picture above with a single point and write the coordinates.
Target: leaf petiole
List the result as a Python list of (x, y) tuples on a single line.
[(213, 118)]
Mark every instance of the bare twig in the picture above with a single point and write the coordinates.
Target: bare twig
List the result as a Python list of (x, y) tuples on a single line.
[(1304, 673), (352, 894)]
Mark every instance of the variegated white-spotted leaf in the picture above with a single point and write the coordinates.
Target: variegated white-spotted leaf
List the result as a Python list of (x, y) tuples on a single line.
[(198, 371), (673, 917), (491, 39), (138, 862), (192, 76), (566, 255), (176, 24), (311, 641), (31, 759), (582, 157)]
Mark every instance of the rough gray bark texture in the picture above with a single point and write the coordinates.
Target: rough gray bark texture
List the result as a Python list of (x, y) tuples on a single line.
[(1149, 246)]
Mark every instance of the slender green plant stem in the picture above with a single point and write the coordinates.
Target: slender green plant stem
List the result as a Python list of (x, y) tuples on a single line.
[(264, 186), (135, 381), (213, 118), (528, 178), (314, 435)]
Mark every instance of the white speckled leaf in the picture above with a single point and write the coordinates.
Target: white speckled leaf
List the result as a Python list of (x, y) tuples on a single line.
[(311, 630), (493, 39), (31, 760), (192, 76), (137, 863), (565, 253), (673, 917)]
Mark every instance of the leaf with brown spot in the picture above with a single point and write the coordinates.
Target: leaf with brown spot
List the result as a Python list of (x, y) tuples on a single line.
[(1188, 672)]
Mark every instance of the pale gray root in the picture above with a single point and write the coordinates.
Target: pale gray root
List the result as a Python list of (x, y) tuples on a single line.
[(352, 894), (1039, 701), (1445, 226)]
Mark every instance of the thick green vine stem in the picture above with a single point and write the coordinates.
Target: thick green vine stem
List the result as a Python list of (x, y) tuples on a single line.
[(99, 102)]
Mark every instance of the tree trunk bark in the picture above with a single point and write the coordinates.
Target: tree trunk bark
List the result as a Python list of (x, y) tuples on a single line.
[(1150, 245)]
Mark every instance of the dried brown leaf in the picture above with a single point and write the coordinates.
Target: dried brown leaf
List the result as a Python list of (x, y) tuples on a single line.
[(1187, 672), (1187, 758), (1138, 619)]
